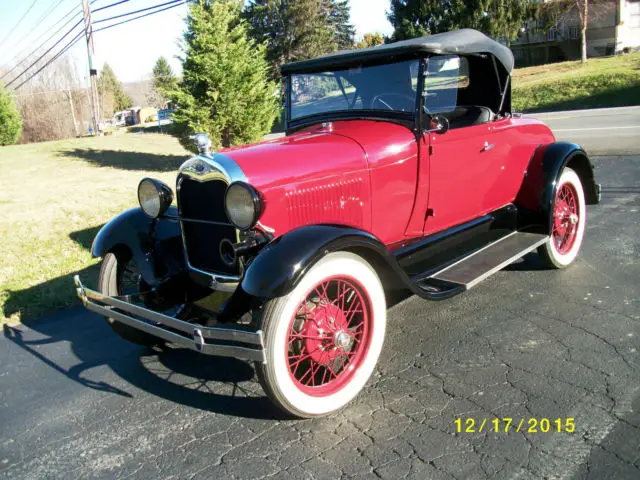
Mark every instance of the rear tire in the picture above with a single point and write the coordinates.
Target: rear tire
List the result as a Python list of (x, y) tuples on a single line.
[(323, 340), (110, 282), (568, 222)]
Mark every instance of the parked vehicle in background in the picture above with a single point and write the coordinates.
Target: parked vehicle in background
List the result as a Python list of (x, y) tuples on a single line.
[(402, 168)]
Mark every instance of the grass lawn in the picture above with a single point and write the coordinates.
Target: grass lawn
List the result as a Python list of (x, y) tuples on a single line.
[(601, 82), (54, 198)]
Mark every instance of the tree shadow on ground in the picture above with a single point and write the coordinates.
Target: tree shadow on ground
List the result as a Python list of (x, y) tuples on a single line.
[(55, 293), (134, 161)]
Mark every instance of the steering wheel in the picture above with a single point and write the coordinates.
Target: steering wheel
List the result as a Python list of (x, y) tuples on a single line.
[(378, 98)]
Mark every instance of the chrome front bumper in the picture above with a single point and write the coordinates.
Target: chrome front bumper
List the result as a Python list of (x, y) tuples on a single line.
[(220, 341)]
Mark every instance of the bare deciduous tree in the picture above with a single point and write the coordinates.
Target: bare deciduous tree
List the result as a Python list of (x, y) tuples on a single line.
[(53, 105)]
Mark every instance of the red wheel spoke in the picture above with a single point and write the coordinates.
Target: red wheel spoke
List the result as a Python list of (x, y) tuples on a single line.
[(317, 363)]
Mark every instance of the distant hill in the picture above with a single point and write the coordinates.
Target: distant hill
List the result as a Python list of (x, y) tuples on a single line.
[(140, 92)]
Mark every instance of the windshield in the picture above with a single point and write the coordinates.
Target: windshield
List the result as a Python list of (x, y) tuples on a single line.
[(385, 88)]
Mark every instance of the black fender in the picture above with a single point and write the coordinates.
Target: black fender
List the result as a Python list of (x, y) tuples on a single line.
[(155, 243), (538, 190), (279, 266)]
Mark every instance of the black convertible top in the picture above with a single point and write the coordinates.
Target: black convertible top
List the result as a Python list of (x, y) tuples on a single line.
[(457, 42)]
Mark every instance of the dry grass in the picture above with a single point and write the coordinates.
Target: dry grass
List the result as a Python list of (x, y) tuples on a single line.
[(54, 197)]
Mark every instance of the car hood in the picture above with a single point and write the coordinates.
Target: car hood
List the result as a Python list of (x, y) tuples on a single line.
[(307, 155)]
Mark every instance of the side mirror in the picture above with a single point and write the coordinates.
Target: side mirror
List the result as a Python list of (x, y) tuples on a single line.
[(438, 124)]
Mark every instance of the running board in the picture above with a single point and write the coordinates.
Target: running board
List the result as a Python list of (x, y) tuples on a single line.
[(471, 270)]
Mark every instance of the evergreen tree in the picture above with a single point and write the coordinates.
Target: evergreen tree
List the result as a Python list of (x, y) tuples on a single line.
[(224, 91), (496, 18), (300, 29), (339, 13), (112, 95), (164, 80), (10, 120)]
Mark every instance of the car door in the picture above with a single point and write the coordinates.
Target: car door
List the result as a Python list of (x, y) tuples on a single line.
[(463, 168), (463, 162)]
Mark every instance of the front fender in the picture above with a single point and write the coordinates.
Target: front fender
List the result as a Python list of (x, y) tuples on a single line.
[(155, 243), (280, 265)]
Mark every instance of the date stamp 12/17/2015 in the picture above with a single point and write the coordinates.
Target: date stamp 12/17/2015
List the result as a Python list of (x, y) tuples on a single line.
[(507, 424)]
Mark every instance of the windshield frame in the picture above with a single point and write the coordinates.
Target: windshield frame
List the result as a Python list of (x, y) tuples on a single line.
[(412, 120)]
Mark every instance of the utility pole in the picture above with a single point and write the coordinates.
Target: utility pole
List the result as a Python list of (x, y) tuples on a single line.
[(73, 113), (93, 73)]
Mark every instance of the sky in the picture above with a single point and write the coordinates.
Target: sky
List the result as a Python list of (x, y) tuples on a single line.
[(130, 49)]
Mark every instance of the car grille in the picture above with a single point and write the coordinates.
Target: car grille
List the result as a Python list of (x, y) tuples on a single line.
[(205, 201)]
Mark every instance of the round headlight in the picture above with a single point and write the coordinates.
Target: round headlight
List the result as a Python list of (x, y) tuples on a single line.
[(242, 205), (154, 197)]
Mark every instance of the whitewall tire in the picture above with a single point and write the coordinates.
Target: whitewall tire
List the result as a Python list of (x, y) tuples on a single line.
[(569, 219), (323, 339)]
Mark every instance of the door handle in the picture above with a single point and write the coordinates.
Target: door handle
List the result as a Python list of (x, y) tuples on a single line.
[(487, 146)]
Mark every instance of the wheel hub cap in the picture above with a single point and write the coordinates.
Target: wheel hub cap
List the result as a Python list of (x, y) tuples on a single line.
[(566, 217), (329, 336)]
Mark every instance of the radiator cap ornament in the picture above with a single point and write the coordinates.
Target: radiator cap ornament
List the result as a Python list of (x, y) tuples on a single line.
[(202, 142)]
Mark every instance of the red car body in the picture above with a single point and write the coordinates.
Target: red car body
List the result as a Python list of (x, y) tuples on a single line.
[(402, 167), (375, 176)]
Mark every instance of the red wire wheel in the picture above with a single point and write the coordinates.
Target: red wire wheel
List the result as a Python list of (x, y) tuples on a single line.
[(329, 336), (566, 217)]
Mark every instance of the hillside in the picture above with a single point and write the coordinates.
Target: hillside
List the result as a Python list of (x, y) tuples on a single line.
[(601, 82)]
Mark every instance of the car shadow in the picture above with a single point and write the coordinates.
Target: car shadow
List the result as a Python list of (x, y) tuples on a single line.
[(135, 161), (216, 384)]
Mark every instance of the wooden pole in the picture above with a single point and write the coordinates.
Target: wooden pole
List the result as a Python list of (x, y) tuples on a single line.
[(73, 113)]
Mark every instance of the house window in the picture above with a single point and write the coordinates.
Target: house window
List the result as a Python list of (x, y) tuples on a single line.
[(634, 13), (573, 33), (551, 34)]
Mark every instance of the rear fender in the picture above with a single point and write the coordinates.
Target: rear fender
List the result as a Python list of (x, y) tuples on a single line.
[(538, 189), (155, 243)]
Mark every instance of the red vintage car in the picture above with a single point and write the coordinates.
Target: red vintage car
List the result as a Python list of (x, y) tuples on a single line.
[(402, 167)]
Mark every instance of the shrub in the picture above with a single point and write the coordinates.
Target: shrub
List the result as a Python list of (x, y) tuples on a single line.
[(10, 121)]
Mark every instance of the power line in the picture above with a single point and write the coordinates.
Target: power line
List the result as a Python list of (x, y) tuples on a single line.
[(135, 11), (45, 53), (18, 24), (73, 41), (55, 44), (38, 22), (182, 2), (26, 57), (79, 36), (107, 6)]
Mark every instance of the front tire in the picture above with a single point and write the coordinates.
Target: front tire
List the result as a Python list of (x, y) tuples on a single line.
[(323, 339), (114, 279), (568, 222)]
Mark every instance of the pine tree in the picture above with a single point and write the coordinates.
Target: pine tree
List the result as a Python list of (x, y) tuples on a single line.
[(300, 29), (496, 18), (112, 96), (164, 80), (10, 120), (339, 13), (225, 91)]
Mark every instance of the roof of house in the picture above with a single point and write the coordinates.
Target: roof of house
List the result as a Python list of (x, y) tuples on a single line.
[(456, 42)]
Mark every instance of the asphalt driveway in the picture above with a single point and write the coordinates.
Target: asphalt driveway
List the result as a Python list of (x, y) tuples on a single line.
[(78, 402)]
